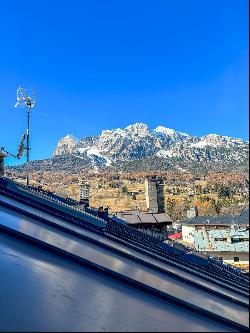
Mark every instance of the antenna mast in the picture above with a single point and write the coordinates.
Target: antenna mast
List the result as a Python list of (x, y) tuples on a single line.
[(24, 100)]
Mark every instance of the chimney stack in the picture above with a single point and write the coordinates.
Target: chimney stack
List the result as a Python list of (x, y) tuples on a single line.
[(192, 212), (84, 193), (154, 195)]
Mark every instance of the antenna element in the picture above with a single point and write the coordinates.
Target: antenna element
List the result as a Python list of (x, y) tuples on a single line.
[(24, 100)]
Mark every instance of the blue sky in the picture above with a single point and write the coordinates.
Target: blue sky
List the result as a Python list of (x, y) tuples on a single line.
[(100, 64)]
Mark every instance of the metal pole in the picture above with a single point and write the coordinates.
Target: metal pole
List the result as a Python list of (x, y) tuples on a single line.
[(28, 146), (2, 156)]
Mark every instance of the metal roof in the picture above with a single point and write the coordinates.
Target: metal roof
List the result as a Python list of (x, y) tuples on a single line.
[(62, 271), (243, 218), (225, 233), (231, 247), (175, 236), (135, 217), (211, 240), (43, 292)]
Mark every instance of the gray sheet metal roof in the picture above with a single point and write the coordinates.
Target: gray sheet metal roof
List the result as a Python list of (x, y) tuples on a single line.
[(135, 217), (59, 275), (147, 218), (243, 218), (130, 218), (43, 292)]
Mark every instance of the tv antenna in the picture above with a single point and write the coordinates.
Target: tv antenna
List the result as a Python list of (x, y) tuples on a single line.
[(26, 100), (4, 153)]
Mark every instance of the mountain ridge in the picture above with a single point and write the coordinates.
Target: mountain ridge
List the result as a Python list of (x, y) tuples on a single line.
[(138, 148), (138, 141)]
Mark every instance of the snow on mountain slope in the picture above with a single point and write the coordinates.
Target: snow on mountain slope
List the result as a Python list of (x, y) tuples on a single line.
[(171, 133), (137, 141)]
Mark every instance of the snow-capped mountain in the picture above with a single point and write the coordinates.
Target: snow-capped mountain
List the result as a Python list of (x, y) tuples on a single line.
[(139, 142)]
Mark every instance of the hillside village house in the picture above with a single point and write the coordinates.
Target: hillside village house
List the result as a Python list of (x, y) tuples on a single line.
[(225, 237)]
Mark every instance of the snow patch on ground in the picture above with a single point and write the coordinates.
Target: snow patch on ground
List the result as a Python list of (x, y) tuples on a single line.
[(165, 153), (96, 152), (170, 132), (181, 169), (82, 150), (82, 158), (202, 144)]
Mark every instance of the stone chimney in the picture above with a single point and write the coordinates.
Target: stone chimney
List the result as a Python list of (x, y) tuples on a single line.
[(154, 195), (192, 212), (84, 193)]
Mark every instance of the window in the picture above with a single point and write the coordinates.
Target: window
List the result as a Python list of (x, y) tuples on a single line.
[(235, 240), (236, 259)]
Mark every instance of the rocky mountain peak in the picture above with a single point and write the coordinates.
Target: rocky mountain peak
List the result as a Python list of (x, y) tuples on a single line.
[(138, 129), (66, 145), (70, 137), (170, 132), (137, 141)]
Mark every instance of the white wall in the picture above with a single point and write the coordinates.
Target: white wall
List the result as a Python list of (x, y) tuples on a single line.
[(188, 234), (228, 257)]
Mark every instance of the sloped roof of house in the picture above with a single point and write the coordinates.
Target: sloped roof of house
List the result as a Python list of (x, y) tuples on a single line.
[(63, 269), (243, 218), (211, 240), (222, 233), (135, 217), (175, 236)]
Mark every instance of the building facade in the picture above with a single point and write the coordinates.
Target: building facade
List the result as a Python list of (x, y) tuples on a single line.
[(224, 237)]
